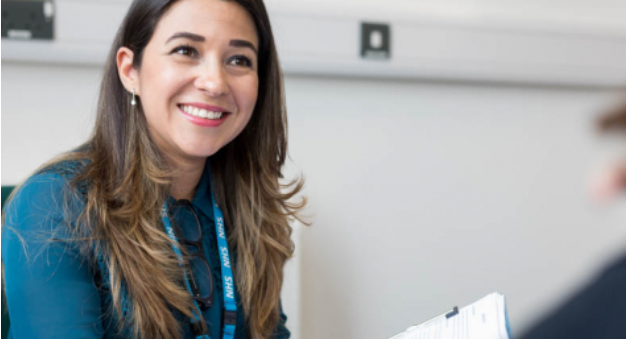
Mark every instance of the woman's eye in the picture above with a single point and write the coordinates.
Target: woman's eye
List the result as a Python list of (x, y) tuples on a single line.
[(241, 61), (185, 51)]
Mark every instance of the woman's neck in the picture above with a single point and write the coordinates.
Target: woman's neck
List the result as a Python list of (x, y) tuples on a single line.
[(188, 174)]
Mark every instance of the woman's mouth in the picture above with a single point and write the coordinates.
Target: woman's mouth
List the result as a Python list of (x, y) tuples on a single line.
[(202, 113), (205, 117)]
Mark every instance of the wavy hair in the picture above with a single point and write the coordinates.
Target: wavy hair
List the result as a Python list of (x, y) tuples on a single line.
[(129, 178)]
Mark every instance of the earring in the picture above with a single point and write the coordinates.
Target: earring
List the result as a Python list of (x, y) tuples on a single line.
[(133, 101)]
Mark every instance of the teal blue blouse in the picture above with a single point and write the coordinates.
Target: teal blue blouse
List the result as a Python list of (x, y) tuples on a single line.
[(52, 291)]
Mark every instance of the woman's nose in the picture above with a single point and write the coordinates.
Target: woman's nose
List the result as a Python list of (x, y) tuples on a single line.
[(213, 80)]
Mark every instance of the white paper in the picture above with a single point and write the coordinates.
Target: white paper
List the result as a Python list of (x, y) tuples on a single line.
[(485, 319)]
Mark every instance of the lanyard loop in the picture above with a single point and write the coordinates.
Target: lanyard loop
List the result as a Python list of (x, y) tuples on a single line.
[(229, 313)]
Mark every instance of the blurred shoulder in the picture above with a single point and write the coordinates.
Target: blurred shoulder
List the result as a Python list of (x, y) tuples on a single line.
[(596, 311)]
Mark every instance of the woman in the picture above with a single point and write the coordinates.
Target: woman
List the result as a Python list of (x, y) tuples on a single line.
[(117, 239)]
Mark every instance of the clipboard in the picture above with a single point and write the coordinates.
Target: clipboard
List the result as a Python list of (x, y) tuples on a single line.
[(484, 319)]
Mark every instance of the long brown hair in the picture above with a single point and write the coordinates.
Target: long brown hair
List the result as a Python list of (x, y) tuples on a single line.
[(128, 178)]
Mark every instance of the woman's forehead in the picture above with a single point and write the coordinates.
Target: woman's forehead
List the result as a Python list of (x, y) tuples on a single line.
[(209, 18)]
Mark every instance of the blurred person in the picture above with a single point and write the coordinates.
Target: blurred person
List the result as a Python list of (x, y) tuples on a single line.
[(169, 222), (598, 310)]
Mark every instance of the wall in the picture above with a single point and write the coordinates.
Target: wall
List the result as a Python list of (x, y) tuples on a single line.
[(424, 194)]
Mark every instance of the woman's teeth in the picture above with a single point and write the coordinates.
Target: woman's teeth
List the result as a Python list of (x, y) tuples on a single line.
[(202, 113)]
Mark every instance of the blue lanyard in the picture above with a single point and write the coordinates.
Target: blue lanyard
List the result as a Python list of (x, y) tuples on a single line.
[(230, 311), (228, 283)]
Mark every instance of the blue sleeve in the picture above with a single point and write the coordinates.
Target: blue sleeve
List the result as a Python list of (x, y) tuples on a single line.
[(49, 288), (281, 331)]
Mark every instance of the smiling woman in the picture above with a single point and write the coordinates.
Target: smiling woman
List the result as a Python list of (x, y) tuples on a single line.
[(170, 221), (201, 59)]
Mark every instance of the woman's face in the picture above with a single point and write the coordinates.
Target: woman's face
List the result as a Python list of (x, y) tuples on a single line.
[(198, 77)]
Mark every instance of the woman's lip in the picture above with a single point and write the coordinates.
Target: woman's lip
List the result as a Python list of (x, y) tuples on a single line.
[(202, 121), (205, 107)]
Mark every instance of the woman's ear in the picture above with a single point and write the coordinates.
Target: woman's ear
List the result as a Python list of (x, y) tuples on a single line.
[(128, 74)]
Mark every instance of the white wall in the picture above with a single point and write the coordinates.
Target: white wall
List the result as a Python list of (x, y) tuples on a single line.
[(427, 196), (46, 110), (424, 195)]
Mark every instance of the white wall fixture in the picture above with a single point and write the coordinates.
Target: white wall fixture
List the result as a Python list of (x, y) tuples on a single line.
[(319, 44)]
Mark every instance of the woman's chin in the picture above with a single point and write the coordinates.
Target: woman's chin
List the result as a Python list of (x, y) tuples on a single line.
[(200, 152)]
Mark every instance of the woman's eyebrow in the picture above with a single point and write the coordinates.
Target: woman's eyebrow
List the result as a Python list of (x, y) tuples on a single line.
[(186, 35), (243, 43), (200, 38)]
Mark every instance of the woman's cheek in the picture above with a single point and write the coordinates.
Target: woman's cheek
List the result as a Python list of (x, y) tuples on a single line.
[(250, 98)]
